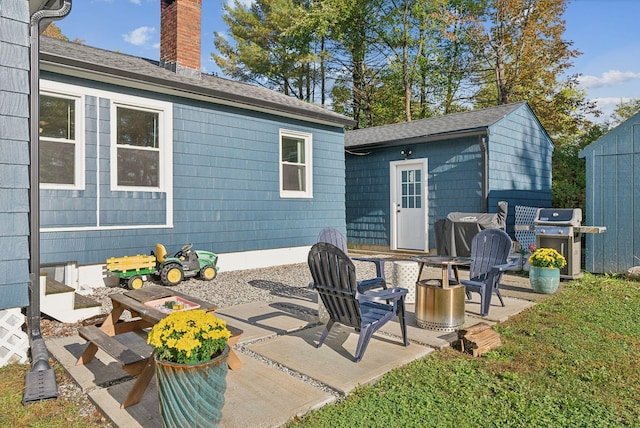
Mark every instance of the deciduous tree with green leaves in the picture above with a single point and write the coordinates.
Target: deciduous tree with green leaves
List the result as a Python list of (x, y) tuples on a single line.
[(569, 175), (526, 58), (624, 111)]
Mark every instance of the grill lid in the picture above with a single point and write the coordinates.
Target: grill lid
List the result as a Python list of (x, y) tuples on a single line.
[(559, 216)]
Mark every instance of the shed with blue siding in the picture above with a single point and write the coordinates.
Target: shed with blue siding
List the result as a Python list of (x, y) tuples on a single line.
[(466, 162), (613, 199), (221, 160)]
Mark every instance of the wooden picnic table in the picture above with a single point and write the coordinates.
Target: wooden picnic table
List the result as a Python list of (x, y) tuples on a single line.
[(143, 317)]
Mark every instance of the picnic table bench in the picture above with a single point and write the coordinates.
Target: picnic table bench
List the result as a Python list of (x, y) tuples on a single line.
[(136, 363)]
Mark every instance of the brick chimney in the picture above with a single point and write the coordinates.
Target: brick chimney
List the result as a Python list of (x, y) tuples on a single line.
[(180, 36)]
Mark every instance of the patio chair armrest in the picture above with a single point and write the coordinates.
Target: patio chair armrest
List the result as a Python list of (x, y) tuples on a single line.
[(504, 267), (472, 283), (383, 295), (368, 284), (378, 262)]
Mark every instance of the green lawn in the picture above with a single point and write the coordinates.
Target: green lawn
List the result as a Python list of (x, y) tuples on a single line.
[(570, 361), (58, 413)]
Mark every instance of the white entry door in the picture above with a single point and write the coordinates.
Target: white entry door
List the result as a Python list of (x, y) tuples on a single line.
[(409, 203)]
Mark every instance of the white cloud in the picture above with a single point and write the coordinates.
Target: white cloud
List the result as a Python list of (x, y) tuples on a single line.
[(139, 36), (605, 102), (606, 105), (608, 78), (245, 3), (135, 1)]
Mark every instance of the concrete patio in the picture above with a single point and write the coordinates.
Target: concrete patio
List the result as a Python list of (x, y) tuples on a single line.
[(284, 374)]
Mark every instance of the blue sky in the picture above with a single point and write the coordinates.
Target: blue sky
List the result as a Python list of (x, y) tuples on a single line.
[(605, 31)]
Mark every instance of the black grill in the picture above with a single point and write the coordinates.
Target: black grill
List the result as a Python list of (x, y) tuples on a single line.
[(559, 217)]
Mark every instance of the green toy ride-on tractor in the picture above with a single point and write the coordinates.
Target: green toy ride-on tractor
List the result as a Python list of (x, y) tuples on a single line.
[(186, 263)]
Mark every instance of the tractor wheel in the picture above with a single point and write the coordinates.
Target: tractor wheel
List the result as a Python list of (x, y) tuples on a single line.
[(171, 274), (207, 273), (135, 282)]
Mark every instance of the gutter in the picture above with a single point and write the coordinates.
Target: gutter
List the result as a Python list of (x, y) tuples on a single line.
[(441, 136), (40, 382)]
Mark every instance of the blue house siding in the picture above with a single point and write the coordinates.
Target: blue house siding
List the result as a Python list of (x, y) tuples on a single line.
[(82, 208), (519, 167), (613, 195), (454, 177), (519, 163), (453, 185), (14, 153), (367, 193), (225, 187), (59, 208), (519, 153)]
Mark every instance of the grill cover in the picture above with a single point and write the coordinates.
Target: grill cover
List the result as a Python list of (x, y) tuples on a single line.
[(455, 233)]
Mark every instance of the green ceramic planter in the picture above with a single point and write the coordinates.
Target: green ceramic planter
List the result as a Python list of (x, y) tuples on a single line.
[(544, 280), (192, 395)]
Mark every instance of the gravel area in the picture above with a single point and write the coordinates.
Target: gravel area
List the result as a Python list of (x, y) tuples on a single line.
[(240, 287), (226, 289)]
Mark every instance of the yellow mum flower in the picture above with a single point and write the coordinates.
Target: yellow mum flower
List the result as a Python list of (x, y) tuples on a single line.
[(190, 336), (547, 257)]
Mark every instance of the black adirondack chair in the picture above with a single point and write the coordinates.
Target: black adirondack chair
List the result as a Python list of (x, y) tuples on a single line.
[(334, 277), (334, 237), (490, 251)]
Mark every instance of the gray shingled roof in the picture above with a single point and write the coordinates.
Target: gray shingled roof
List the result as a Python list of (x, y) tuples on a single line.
[(433, 128), (103, 65)]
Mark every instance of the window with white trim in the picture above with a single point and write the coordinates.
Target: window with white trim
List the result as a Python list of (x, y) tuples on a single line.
[(139, 147), (295, 164), (61, 148)]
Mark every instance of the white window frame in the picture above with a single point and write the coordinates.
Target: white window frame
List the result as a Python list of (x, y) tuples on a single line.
[(308, 147), (61, 91), (166, 131), (165, 141)]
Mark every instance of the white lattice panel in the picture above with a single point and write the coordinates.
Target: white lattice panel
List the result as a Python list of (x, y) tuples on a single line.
[(14, 343), (405, 274), (525, 216)]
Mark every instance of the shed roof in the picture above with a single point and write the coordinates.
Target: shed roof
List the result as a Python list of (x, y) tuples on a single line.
[(430, 129), (127, 70)]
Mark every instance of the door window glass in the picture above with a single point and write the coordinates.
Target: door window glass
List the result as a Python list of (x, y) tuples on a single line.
[(411, 185)]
